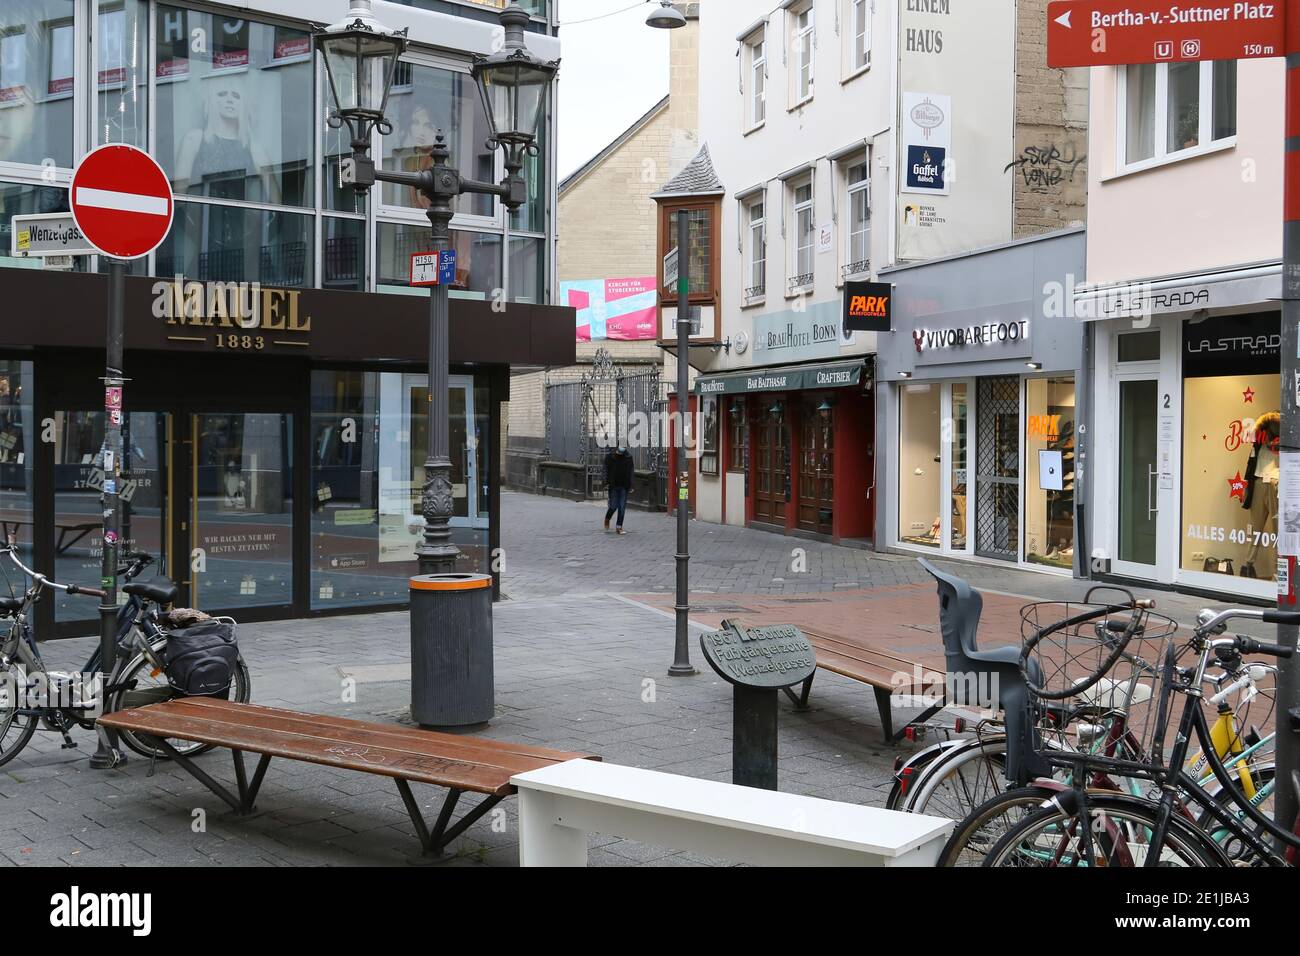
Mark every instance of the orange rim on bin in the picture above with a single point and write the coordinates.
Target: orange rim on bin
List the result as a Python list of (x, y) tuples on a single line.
[(449, 583)]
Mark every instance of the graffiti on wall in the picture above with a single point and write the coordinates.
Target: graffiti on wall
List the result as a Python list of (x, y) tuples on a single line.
[(1048, 166)]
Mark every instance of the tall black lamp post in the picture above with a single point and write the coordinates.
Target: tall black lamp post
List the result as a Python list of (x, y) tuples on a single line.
[(361, 57)]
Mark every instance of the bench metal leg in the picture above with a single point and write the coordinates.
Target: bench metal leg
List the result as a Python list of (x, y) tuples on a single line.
[(801, 702), (885, 704), (436, 841), (242, 804), (886, 716)]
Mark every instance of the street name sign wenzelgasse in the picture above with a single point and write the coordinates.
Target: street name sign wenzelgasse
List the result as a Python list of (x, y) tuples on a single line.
[(48, 234), (764, 657)]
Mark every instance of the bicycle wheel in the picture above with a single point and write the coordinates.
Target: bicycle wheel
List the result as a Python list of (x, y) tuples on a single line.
[(1116, 834), (976, 835), (1263, 777), (15, 729), (910, 774), (957, 783), (149, 686)]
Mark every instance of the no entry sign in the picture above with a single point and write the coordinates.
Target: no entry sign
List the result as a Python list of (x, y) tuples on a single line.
[(1117, 32), (121, 201)]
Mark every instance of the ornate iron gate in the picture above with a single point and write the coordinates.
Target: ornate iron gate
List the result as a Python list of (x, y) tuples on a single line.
[(997, 477), (607, 406)]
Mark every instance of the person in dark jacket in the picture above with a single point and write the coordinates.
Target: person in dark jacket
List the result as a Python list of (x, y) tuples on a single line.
[(618, 479)]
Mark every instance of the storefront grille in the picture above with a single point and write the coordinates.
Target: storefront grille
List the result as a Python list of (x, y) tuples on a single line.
[(997, 480)]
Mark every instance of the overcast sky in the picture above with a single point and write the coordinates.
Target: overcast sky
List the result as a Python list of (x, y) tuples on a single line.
[(613, 70)]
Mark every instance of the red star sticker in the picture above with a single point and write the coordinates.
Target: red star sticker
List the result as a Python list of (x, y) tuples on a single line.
[(1237, 487), (1249, 395)]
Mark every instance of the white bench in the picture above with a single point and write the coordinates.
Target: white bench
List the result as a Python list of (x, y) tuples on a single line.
[(560, 804)]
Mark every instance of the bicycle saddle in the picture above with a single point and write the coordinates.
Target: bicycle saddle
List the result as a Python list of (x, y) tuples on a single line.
[(161, 591), (960, 607), (10, 605)]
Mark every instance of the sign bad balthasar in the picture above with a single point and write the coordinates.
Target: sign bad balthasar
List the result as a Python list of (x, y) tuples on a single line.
[(1118, 32)]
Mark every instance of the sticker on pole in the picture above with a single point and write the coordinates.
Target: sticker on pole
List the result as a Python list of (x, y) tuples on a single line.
[(121, 201), (433, 268)]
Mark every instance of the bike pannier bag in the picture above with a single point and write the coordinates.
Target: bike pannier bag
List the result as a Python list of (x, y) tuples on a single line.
[(201, 659)]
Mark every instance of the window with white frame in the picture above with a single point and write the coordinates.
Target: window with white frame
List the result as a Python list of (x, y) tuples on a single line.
[(802, 47), (805, 233), (858, 195), (755, 213), (756, 68), (1169, 109), (858, 34)]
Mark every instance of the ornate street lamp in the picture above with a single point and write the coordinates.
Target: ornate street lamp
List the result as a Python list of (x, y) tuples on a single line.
[(351, 48), (513, 84)]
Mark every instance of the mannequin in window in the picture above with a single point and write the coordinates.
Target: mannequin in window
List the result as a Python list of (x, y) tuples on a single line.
[(1262, 476), (220, 157)]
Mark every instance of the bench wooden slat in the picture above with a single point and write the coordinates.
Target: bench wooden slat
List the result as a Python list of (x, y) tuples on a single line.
[(418, 737), (417, 755)]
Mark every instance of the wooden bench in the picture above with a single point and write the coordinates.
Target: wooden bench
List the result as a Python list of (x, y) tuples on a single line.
[(408, 755), (852, 658), (560, 804)]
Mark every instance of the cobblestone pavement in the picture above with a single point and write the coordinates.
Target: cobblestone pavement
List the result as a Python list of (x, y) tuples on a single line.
[(579, 665)]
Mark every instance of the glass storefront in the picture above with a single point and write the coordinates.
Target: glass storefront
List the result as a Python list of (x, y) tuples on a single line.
[(920, 433), (368, 447), (17, 455), (1231, 438), (1049, 471)]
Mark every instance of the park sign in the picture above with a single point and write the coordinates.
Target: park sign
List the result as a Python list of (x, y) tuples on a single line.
[(1121, 32)]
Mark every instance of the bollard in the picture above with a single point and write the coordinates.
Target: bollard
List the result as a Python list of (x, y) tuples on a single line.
[(451, 650)]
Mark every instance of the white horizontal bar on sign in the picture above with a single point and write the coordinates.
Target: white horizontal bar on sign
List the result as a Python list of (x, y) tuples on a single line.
[(123, 202)]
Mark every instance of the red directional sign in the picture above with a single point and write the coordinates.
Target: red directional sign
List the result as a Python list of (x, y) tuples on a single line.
[(1116, 32), (121, 201)]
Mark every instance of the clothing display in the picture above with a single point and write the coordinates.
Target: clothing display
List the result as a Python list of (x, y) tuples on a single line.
[(1263, 472)]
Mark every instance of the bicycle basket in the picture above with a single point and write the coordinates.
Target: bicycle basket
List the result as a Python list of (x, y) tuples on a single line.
[(1096, 672)]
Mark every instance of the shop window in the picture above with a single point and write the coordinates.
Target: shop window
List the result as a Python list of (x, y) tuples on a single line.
[(430, 100), (1168, 109), (123, 77), (1049, 466), (960, 455), (20, 199), (997, 468), (78, 486), (368, 449), (343, 265), (37, 62), (17, 452), (919, 465), (1231, 428), (709, 435), (738, 438), (1139, 347), (527, 269), (478, 257), (234, 116), (238, 244)]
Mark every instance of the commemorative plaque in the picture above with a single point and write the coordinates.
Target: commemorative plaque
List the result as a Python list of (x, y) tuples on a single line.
[(758, 662)]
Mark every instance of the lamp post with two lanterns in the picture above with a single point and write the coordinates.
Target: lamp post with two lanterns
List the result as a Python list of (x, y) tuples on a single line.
[(361, 56)]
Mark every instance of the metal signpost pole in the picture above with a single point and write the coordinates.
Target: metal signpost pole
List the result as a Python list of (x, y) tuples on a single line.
[(1286, 801), (107, 754), (682, 652)]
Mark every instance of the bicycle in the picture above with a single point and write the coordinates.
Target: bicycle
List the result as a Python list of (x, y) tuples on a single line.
[(1082, 827), (32, 696)]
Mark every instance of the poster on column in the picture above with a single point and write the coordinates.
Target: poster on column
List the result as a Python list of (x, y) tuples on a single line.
[(957, 73)]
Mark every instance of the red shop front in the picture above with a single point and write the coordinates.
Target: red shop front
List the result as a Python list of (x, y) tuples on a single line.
[(788, 450)]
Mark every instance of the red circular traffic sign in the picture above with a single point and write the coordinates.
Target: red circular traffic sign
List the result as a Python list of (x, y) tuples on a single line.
[(121, 201)]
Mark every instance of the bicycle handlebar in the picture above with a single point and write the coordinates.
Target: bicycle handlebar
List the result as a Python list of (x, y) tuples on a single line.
[(42, 581)]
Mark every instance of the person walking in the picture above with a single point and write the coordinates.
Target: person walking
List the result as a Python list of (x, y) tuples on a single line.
[(618, 479)]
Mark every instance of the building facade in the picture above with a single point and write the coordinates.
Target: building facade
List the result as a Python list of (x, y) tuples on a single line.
[(1182, 308), (275, 414), (857, 137)]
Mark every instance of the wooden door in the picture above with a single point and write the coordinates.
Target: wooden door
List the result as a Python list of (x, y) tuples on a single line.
[(816, 467), (771, 465)]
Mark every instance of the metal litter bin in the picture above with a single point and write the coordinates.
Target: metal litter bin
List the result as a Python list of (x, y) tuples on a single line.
[(451, 650)]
